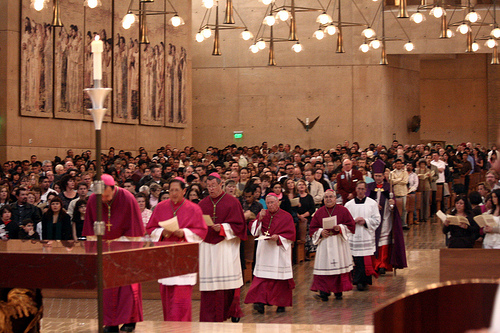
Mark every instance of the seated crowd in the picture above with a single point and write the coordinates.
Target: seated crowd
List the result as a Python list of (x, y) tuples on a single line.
[(347, 207)]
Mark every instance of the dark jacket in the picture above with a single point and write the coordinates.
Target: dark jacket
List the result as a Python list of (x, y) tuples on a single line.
[(26, 211), (61, 230)]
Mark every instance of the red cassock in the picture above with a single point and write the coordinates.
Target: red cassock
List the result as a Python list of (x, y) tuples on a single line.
[(336, 282), (273, 275), (346, 186), (122, 305), (218, 303), (176, 293)]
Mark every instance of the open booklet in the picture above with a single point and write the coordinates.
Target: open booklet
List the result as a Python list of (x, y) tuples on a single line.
[(295, 202), (454, 220), (208, 220), (263, 237), (484, 220), (329, 222), (171, 225)]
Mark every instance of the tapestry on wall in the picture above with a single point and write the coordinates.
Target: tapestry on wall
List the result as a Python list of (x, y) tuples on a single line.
[(36, 80)]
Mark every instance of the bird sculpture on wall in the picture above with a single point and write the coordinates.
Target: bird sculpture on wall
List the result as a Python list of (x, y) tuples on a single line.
[(308, 125)]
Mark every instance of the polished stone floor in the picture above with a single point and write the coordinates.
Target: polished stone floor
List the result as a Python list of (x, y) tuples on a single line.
[(352, 314)]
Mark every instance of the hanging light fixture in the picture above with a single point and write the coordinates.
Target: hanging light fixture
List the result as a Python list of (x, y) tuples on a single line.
[(449, 33), (206, 32), (128, 20), (463, 28), (269, 20), (364, 48), (495, 33), (319, 34), (437, 11), (254, 48), (39, 5), (261, 44), (92, 3), (475, 46), (417, 17), (208, 3), (266, 2), (472, 16), (283, 15), (199, 37), (176, 21), (297, 47), (246, 35), (491, 43), (324, 19), (368, 33), (375, 44), (331, 29), (409, 46)]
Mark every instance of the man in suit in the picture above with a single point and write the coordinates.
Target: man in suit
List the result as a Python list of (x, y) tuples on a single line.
[(347, 180)]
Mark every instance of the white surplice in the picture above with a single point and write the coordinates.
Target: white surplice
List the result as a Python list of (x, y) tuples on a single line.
[(272, 261), (181, 280), (220, 265), (333, 255), (363, 241)]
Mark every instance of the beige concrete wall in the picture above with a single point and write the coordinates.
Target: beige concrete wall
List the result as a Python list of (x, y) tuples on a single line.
[(454, 99), (50, 137)]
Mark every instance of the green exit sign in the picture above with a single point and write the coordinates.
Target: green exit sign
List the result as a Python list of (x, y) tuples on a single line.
[(238, 134)]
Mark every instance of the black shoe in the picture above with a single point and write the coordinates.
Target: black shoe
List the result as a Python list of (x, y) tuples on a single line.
[(338, 295), (259, 307), (110, 329), (322, 296), (382, 271), (128, 327), (406, 227), (361, 287), (235, 319), (280, 309)]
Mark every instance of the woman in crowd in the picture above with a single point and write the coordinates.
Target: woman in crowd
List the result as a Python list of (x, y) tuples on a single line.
[(305, 210), (56, 223), (230, 187), (154, 194), (492, 233), (78, 218), (290, 194), (144, 207), (318, 176), (4, 196), (463, 235), (68, 192), (193, 194)]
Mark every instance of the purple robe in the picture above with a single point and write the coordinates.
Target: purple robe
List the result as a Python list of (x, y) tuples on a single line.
[(122, 305), (398, 255)]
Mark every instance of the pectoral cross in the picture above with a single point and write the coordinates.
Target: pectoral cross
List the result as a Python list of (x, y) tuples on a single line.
[(109, 225), (266, 233)]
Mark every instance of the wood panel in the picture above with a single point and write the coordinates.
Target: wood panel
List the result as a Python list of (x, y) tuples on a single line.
[(458, 264)]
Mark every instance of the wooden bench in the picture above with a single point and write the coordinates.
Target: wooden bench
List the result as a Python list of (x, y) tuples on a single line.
[(441, 308)]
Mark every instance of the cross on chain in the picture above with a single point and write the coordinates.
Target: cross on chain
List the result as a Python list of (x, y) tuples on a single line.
[(109, 225)]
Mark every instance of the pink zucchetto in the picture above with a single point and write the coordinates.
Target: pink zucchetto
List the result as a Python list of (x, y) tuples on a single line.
[(214, 174), (108, 180), (180, 178)]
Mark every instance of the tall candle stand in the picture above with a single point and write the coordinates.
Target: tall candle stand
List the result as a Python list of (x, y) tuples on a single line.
[(98, 96)]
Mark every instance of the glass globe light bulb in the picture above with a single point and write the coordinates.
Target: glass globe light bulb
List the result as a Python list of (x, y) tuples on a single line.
[(319, 34), (475, 47), (449, 33), (297, 47), (417, 17), (463, 28), (368, 33), (246, 35), (254, 48), (495, 33), (38, 5), (324, 18), (269, 20), (208, 3), (199, 37), (364, 48), (176, 21), (92, 3), (283, 15), (375, 44), (206, 32), (437, 12), (267, 2), (128, 20), (472, 17), (331, 30), (261, 44), (491, 43), (409, 46)]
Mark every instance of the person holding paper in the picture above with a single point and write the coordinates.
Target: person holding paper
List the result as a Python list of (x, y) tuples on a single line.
[(220, 268), (365, 212), (123, 221), (389, 237), (331, 227), (176, 291), (273, 275), (463, 235), (492, 232)]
